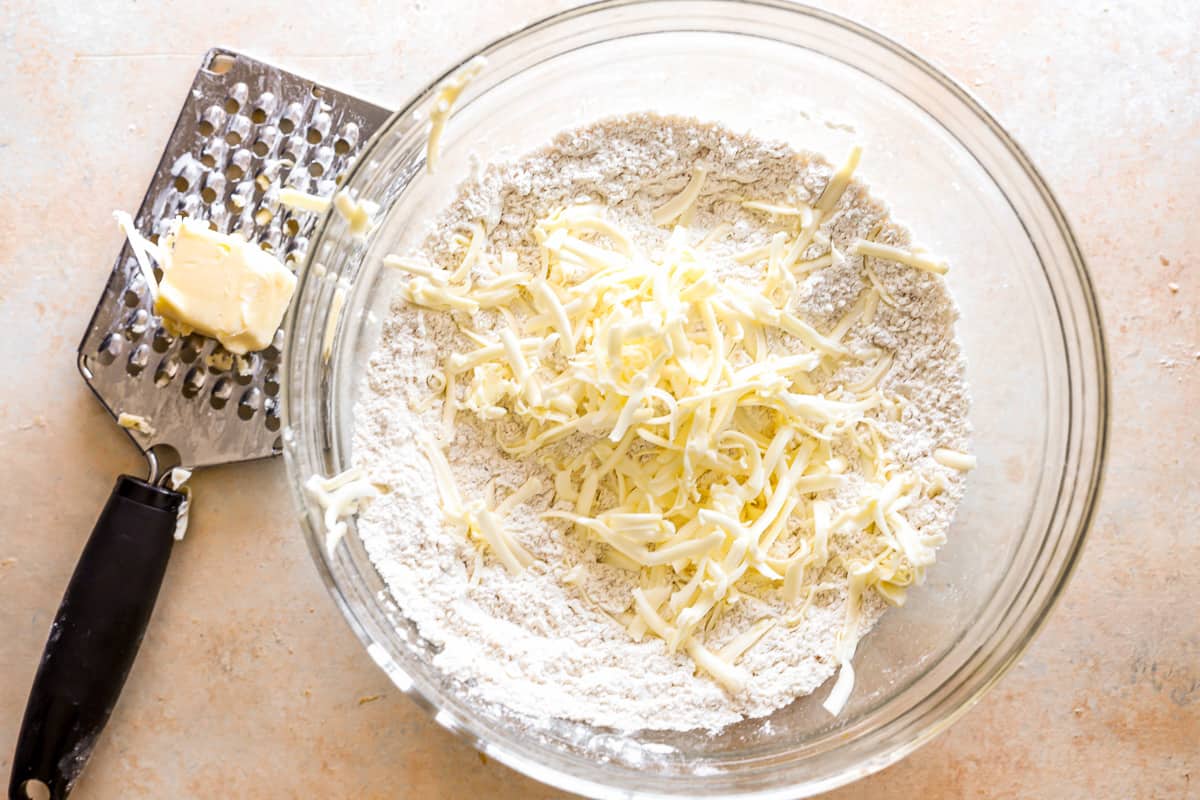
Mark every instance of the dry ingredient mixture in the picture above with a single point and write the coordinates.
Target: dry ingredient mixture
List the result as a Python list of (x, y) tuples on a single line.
[(523, 528)]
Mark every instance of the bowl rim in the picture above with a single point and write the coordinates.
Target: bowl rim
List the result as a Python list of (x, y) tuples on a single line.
[(1088, 500)]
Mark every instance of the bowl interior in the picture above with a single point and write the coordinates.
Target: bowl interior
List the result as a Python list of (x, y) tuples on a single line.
[(1028, 330)]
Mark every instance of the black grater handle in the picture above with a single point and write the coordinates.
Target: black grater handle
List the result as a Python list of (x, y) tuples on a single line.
[(95, 636)]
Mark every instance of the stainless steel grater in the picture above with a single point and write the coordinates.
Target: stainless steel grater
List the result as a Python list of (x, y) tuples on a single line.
[(246, 130)]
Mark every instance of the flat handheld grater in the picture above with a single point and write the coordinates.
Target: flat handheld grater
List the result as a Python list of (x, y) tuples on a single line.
[(246, 130)]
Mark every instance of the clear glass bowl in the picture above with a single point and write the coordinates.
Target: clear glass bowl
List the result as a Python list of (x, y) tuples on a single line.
[(1030, 329)]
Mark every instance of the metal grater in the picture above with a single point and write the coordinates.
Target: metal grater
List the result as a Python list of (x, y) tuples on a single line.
[(246, 130)]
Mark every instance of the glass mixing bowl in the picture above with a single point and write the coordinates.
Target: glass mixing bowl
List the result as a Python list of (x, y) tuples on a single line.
[(1030, 329)]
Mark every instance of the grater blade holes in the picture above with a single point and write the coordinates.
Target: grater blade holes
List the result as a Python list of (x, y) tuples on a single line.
[(193, 382), (220, 63), (166, 371), (162, 340), (222, 391), (271, 408), (247, 365), (273, 352), (189, 351), (249, 404), (110, 348), (138, 359)]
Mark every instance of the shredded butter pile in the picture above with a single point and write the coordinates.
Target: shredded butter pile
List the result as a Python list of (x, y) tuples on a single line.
[(715, 427)]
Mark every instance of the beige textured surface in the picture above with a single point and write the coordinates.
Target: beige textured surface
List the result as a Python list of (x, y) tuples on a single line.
[(250, 685)]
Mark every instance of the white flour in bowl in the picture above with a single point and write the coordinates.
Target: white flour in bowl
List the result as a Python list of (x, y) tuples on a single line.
[(544, 641)]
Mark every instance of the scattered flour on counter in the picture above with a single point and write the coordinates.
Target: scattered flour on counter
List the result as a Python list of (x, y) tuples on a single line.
[(544, 641)]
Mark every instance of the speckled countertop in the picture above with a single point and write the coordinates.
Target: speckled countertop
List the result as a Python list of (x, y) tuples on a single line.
[(250, 684)]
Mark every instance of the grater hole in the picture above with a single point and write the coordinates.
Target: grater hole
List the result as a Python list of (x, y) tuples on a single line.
[(286, 125), (219, 360), (271, 407), (245, 369), (272, 352), (190, 349), (135, 323), (263, 216), (341, 147), (181, 184), (271, 382), (221, 63), (313, 136), (110, 346), (205, 128), (234, 172), (193, 382), (132, 298), (258, 116), (233, 137), (208, 160), (208, 194), (162, 340), (318, 91), (261, 148), (292, 226), (138, 359), (277, 445), (222, 391), (167, 369), (316, 169), (249, 404), (232, 106)]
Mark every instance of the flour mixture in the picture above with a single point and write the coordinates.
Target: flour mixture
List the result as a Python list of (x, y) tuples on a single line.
[(669, 416)]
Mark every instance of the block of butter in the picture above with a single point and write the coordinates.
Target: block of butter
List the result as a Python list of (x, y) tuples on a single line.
[(222, 286)]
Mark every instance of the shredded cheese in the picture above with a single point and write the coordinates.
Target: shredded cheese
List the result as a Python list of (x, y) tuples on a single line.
[(954, 459), (709, 445), (340, 497), (331, 322), (178, 481), (136, 422), (677, 205), (443, 104), (143, 250), (862, 247), (359, 214), (303, 201)]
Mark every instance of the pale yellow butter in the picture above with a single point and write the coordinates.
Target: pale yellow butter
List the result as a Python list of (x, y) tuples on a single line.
[(222, 286)]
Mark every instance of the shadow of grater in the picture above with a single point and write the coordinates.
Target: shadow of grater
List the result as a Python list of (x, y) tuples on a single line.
[(246, 130)]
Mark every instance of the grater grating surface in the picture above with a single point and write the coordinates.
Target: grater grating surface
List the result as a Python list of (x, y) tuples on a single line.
[(246, 130)]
